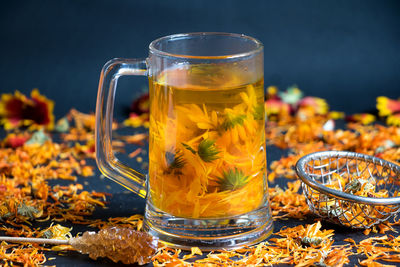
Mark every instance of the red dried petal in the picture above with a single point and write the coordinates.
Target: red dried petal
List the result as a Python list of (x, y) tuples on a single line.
[(16, 140)]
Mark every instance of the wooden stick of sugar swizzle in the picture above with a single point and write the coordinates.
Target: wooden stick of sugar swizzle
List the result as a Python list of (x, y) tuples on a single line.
[(116, 243)]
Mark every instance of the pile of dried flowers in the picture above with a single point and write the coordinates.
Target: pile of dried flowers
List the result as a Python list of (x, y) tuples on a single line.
[(29, 157), (300, 245)]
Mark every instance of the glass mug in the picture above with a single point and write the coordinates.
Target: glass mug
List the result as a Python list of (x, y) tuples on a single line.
[(206, 185)]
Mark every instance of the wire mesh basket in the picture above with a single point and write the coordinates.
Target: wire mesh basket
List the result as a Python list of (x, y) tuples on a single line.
[(350, 189)]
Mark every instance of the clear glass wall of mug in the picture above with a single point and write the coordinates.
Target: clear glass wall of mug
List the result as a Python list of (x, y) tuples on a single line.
[(206, 185)]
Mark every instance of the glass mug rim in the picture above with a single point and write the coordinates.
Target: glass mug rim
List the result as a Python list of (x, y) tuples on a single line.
[(182, 36)]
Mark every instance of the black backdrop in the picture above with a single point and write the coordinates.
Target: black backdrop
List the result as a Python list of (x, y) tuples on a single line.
[(345, 51)]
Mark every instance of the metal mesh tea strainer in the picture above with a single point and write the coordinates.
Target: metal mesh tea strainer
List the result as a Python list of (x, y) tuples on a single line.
[(350, 189)]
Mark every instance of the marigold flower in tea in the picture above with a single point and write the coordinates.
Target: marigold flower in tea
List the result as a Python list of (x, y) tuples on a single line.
[(207, 150), (18, 110), (206, 155), (174, 160), (232, 180)]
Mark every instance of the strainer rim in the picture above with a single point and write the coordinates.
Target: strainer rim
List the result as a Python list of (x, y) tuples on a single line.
[(305, 178)]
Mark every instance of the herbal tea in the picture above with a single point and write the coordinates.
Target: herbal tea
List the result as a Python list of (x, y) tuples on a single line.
[(207, 144)]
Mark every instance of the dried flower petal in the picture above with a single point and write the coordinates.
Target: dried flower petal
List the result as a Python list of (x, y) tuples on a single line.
[(276, 107), (38, 137), (393, 119), (319, 105), (136, 120), (62, 125), (292, 95), (15, 140)]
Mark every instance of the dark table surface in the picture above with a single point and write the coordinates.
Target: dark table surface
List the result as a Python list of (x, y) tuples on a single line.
[(123, 203), (345, 51)]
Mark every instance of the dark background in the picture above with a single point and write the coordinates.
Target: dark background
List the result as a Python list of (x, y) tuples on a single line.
[(344, 51)]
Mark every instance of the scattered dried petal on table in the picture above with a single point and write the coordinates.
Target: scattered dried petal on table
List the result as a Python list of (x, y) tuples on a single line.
[(297, 123)]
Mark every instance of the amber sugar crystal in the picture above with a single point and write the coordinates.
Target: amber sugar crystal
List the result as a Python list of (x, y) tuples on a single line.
[(118, 244)]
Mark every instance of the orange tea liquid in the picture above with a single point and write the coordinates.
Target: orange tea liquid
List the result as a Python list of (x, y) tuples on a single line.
[(207, 144)]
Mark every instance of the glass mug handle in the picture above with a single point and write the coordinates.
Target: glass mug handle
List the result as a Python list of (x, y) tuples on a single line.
[(108, 164)]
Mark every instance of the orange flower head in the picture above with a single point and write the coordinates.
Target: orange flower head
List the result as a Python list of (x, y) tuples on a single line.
[(363, 118), (272, 92), (18, 110), (387, 106), (275, 106), (393, 119), (318, 104), (136, 120), (15, 140), (336, 115)]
